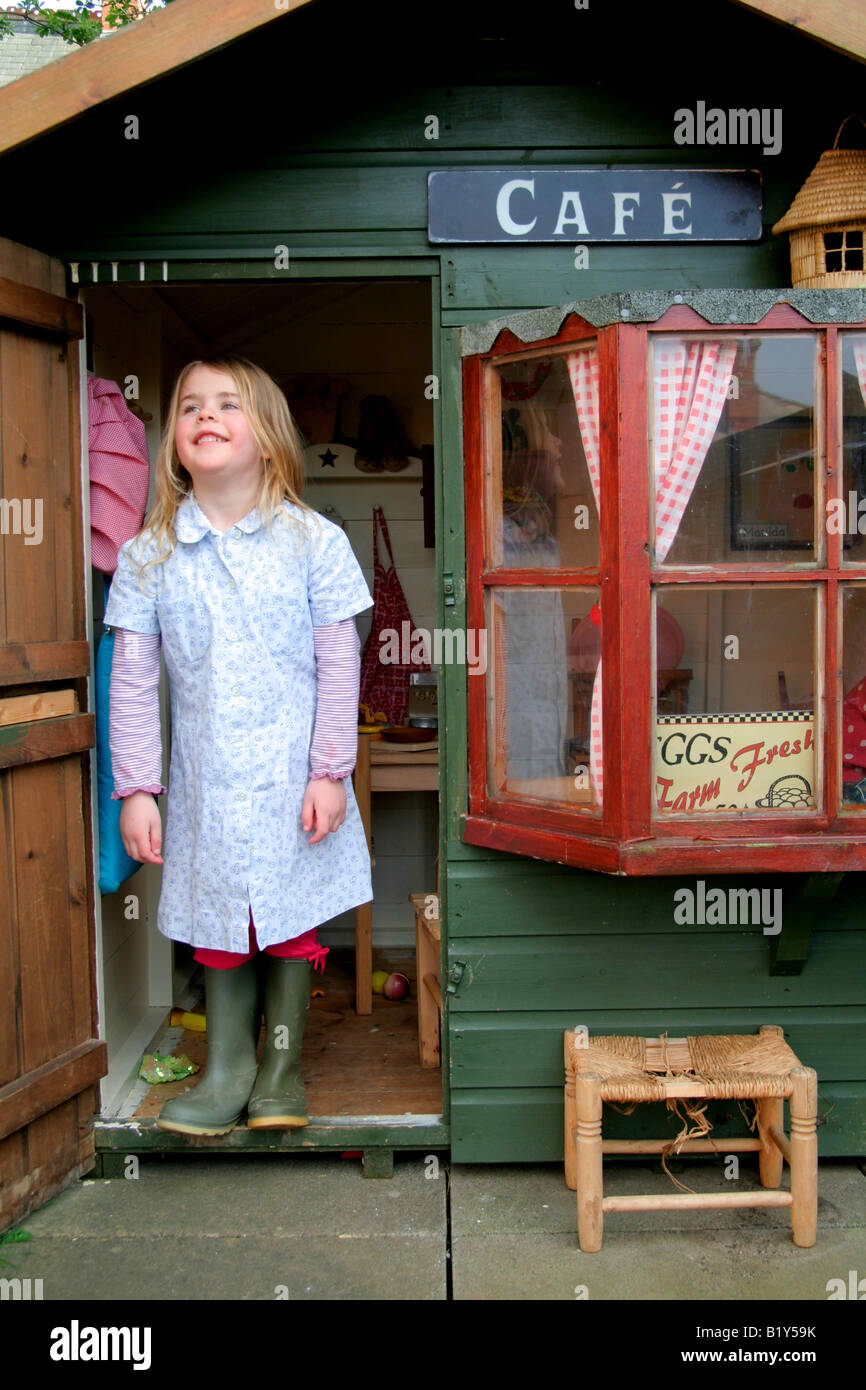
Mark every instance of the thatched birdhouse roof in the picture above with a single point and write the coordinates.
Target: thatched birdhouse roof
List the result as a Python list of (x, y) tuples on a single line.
[(834, 192)]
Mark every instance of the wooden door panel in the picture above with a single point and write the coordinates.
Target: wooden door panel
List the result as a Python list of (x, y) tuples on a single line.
[(50, 1056), (41, 584)]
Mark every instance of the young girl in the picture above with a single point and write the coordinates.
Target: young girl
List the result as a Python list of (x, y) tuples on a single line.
[(252, 597)]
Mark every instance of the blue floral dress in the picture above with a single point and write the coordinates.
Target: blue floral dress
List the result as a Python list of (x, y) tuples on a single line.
[(236, 614)]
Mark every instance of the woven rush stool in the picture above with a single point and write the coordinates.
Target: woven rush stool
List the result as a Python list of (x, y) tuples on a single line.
[(759, 1067)]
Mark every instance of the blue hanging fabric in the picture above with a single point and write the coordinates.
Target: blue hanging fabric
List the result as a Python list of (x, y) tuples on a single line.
[(115, 865)]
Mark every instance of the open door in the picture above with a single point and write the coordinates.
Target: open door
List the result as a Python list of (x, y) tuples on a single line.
[(50, 1056)]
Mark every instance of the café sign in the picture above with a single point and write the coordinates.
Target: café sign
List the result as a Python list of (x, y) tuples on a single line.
[(723, 762), (593, 205)]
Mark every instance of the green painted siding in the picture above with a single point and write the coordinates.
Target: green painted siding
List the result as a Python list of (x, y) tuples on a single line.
[(545, 948), (311, 133)]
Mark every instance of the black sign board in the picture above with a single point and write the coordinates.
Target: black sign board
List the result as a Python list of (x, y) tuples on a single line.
[(590, 205)]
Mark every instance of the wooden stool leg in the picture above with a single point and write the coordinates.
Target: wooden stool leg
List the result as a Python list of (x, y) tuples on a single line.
[(570, 1128), (804, 1156), (771, 1111), (589, 1162)]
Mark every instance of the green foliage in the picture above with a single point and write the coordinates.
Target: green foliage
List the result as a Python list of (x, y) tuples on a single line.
[(83, 23), (14, 1237)]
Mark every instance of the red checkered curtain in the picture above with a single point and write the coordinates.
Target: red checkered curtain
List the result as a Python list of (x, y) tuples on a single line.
[(690, 386), (691, 381), (854, 705), (583, 374)]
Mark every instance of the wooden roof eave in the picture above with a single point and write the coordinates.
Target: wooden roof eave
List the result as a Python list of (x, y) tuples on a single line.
[(838, 24), (151, 47), (169, 39)]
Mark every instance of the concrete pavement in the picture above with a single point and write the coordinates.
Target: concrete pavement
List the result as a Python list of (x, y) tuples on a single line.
[(311, 1227)]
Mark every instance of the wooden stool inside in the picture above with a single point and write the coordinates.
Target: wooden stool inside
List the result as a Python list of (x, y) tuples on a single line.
[(427, 957), (759, 1067)]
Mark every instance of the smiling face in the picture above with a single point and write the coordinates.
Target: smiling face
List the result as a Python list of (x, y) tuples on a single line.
[(213, 437)]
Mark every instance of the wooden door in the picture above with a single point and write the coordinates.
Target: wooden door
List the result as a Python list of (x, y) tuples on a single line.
[(50, 1056)]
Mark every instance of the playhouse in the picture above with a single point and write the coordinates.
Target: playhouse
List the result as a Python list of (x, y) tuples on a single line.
[(644, 809)]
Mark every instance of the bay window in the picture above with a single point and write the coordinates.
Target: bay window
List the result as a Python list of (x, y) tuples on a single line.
[(666, 548)]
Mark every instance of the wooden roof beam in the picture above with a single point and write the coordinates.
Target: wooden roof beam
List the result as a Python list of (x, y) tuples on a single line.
[(160, 43), (840, 24)]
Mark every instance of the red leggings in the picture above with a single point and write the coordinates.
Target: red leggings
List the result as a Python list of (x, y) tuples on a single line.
[(304, 947)]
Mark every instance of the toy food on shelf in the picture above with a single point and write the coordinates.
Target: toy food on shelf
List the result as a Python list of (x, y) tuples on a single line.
[(370, 722)]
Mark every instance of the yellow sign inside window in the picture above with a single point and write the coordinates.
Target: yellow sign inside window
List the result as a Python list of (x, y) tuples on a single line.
[(720, 762)]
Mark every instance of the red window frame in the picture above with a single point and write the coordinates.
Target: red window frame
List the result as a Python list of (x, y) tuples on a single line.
[(627, 838)]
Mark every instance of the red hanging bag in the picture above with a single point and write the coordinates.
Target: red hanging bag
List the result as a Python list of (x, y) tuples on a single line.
[(385, 684)]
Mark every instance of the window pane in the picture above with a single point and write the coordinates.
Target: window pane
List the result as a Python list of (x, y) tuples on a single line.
[(851, 517), (544, 510), (544, 650), (853, 713), (749, 496), (743, 735)]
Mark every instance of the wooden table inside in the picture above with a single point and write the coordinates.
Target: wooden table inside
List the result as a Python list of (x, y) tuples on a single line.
[(384, 767)]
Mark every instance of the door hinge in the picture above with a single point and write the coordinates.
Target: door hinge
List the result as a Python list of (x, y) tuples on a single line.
[(455, 975), (448, 589)]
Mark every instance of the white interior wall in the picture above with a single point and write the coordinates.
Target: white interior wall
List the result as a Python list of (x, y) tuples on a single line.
[(137, 960)]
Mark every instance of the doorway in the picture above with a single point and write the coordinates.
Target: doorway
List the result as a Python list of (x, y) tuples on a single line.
[(331, 345)]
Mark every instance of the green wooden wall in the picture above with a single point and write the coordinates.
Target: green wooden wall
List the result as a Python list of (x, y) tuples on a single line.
[(311, 134)]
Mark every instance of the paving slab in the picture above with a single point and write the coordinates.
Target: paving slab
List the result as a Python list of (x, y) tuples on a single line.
[(306, 1227), (533, 1197), (662, 1267), (234, 1268), (265, 1194), (514, 1237)]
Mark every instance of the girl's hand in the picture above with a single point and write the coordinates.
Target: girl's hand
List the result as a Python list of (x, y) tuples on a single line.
[(141, 828), (324, 806)]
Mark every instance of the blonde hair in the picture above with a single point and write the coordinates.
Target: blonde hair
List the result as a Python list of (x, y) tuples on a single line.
[(274, 431)]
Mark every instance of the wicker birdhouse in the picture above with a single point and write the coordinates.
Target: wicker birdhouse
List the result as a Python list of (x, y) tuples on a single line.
[(827, 222)]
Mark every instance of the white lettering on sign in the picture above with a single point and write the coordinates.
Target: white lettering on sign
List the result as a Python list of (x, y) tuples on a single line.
[(574, 217), (673, 228), (503, 207), (621, 212), (571, 213)]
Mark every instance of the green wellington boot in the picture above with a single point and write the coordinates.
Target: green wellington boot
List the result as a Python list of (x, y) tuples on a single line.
[(216, 1104), (279, 1100)]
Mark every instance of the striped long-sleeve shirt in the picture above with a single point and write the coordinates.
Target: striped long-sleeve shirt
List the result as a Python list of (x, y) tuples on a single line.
[(135, 736)]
